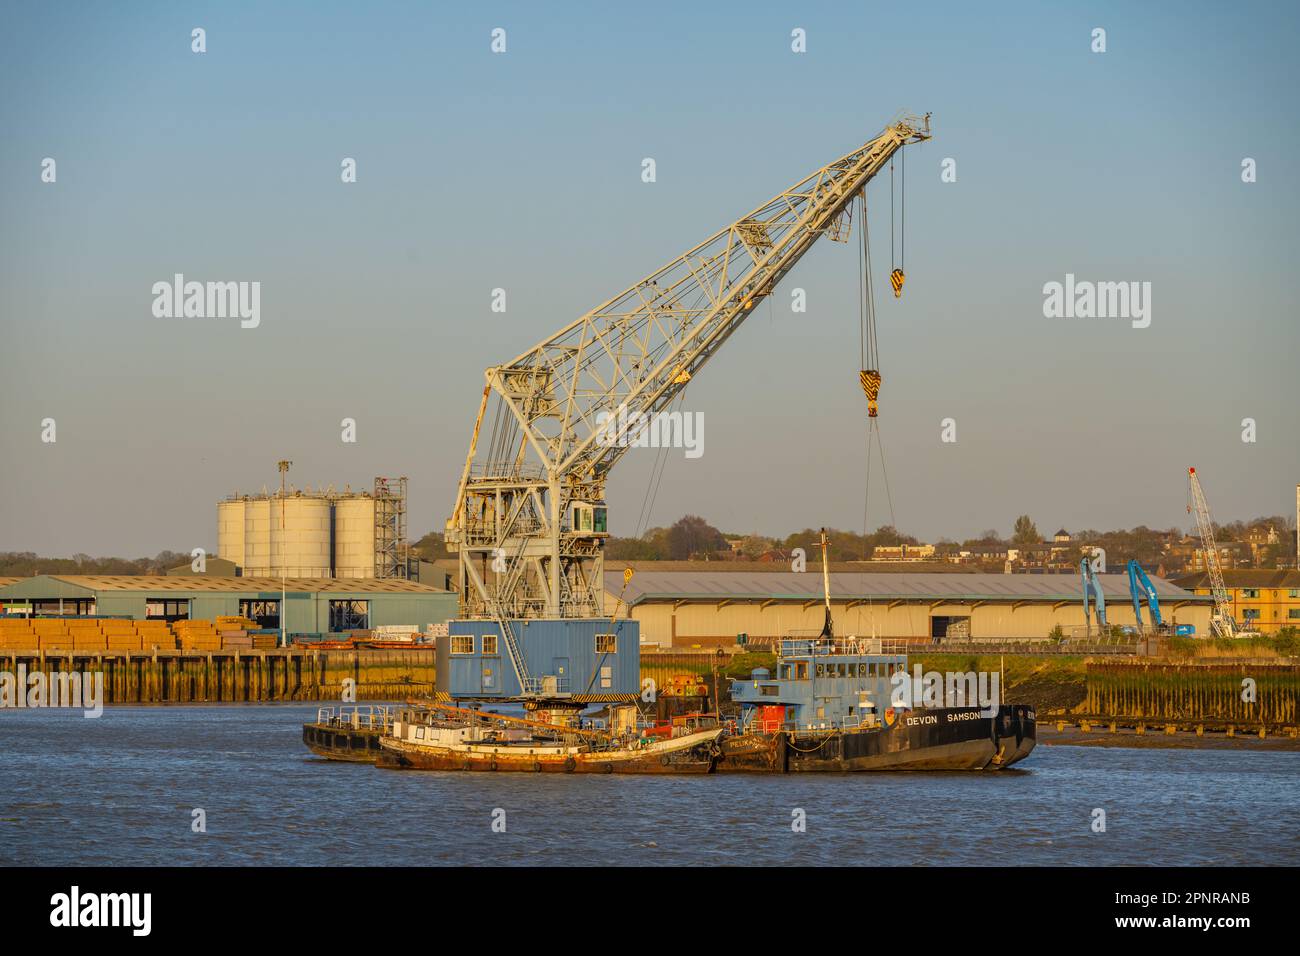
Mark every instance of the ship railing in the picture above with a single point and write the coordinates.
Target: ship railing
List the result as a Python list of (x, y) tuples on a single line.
[(359, 717), (825, 647), (850, 722)]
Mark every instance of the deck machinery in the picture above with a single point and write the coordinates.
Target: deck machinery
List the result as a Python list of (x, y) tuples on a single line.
[(530, 521)]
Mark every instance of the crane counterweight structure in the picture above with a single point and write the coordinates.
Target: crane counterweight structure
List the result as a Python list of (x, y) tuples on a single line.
[(530, 519)]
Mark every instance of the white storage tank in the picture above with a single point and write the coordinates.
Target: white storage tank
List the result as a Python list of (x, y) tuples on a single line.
[(354, 537), (300, 536), (230, 530), (257, 537)]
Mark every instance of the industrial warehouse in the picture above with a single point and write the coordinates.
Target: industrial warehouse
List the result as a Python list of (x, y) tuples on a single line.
[(312, 605), (709, 608)]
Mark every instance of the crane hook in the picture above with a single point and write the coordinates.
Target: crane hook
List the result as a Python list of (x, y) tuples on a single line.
[(871, 380), (896, 279)]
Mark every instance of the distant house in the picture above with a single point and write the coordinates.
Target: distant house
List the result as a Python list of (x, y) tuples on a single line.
[(984, 552), (1258, 539), (902, 552), (1062, 537)]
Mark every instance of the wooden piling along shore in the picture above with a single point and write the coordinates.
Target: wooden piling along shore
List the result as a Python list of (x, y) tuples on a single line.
[(1195, 692), (237, 676)]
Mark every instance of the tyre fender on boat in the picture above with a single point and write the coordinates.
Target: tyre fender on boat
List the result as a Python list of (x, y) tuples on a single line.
[(570, 765)]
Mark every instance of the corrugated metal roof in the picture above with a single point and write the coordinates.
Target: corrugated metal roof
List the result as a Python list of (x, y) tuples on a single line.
[(783, 567), (187, 583), (742, 585), (1245, 578)]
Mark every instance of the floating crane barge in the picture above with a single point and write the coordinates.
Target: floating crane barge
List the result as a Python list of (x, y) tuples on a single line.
[(530, 522)]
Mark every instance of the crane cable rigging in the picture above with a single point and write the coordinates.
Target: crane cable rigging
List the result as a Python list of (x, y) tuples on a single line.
[(896, 275), (869, 356)]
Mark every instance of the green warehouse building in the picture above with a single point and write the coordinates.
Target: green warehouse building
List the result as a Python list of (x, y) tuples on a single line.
[(310, 605)]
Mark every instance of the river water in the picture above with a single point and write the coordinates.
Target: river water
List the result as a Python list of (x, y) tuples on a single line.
[(121, 790)]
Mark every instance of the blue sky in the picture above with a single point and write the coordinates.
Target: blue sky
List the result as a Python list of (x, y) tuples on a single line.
[(522, 171)]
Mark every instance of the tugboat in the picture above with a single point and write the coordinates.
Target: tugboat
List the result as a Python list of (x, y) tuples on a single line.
[(444, 737), (828, 709)]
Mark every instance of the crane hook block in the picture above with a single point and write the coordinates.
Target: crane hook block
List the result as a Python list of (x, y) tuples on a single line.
[(896, 279), (870, 380)]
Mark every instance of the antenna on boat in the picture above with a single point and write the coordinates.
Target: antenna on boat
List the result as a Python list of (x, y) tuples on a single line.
[(827, 629)]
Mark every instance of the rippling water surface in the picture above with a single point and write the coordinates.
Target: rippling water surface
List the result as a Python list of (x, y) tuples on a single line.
[(120, 790)]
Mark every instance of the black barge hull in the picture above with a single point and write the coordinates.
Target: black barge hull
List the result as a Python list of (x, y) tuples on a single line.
[(333, 742), (954, 738)]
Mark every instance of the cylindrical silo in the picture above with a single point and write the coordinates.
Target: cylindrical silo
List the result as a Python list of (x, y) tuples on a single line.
[(257, 537), (300, 537), (354, 536), (230, 530)]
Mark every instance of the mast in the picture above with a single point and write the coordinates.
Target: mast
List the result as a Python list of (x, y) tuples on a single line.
[(827, 628)]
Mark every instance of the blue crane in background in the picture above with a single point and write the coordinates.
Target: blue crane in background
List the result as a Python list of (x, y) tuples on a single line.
[(1092, 586), (1139, 585)]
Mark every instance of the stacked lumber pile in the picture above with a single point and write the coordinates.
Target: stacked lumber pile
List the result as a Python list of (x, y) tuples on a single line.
[(16, 634), (196, 636)]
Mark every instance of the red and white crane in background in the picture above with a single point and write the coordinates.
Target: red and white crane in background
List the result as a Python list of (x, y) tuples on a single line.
[(1222, 622)]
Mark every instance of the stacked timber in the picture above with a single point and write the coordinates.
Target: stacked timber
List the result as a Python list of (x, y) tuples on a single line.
[(86, 635), (154, 635), (226, 622), (120, 635), (196, 636), (52, 634), (16, 633), (236, 640)]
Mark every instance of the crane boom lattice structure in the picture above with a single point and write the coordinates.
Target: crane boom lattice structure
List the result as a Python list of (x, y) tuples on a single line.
[(530, 515), (1222, 622)]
